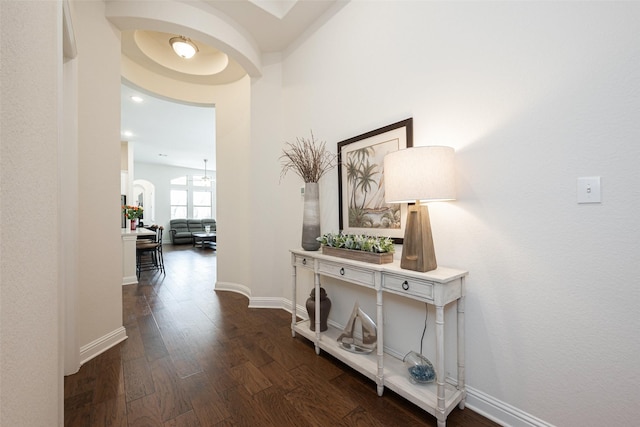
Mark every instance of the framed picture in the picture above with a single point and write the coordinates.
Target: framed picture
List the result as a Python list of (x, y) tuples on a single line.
[(361, 182)]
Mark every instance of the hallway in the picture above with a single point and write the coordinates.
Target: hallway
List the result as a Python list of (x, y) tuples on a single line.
[(197, 357)]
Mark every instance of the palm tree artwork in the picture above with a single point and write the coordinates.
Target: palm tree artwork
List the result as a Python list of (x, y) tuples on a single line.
[(365, 187)]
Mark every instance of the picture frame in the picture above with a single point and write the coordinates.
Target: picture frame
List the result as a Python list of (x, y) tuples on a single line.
[(362, 209)]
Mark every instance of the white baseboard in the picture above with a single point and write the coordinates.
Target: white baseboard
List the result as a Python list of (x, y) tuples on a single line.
[(102, 344), (129, 280), (233, 287), (267, 302), (500, 412)]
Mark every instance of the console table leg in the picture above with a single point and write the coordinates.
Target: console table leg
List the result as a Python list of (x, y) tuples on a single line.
[(461, 350), (440, 359), (317, 308), (380, 343), (294, 318)]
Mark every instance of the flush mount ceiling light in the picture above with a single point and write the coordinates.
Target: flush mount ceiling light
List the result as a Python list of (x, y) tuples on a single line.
[(183, 46)]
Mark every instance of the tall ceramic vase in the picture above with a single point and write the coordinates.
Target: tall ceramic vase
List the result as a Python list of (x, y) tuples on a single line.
[(311, 217)]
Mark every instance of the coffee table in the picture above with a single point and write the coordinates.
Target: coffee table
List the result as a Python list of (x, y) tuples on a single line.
[(204, 239)]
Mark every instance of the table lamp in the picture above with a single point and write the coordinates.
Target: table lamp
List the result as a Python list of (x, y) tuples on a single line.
[(419, 174)]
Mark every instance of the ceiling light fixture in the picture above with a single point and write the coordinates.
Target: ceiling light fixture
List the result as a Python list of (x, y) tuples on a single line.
[(205, 178), (183, 46), (136, 98)]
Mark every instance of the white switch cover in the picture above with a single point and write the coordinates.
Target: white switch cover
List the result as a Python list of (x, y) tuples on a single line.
[(589, 189)]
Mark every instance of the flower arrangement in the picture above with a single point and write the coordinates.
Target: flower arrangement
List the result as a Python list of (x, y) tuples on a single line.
[(132, 212), (358, 242), (307, 158)]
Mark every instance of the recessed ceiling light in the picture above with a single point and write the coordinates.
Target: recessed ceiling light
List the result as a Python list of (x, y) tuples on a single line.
[(127, 133), (136, 98)]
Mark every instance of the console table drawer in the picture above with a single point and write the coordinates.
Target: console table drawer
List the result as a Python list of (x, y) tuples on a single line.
[(348, 273), (304, 262), (408, 286)]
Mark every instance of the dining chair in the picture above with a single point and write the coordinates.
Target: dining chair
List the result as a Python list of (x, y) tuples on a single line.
[(149, 253)]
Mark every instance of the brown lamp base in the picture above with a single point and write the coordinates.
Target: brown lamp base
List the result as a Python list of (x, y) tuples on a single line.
[(417, 250)]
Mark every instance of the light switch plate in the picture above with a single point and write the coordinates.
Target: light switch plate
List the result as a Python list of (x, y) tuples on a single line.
[(589, 189)]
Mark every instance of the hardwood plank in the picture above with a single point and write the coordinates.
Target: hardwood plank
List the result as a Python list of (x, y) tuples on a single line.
[(77, 416), (83, 380), (361, 417), (79, 401), (389, 409), (250, 377), (145, 412), (110, 413), (180, 351), (168, 389), (242, 408), (109, 381), (207, 405), (278, 411), (187, 419), (279, 376), (132, 347), (317, 408), (138, 379), (154, 347)]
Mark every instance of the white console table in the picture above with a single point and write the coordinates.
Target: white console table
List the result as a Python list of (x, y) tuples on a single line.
[(438, 287)]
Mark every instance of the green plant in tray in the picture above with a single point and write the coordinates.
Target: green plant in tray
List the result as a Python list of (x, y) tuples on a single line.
[(358, 242)]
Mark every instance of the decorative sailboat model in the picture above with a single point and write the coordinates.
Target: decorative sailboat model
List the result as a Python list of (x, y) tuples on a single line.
[(365, 341)]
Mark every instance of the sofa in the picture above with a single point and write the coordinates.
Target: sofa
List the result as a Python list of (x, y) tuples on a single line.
[(181, 230)]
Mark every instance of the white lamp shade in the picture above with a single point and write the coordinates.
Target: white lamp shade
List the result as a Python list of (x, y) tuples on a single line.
[(419, 173)]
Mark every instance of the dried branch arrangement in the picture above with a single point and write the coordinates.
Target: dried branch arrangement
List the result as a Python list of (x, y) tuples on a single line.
[(307, 158)]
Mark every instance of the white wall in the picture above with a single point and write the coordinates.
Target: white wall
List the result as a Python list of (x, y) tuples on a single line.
[(99, 309), (30, 362), (267, 249), (532, 95)]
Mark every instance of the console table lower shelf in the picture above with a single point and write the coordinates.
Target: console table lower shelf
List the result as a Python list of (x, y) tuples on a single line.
[(395, 376)]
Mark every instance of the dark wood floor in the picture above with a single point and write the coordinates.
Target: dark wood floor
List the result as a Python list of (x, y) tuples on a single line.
[(197, 357)]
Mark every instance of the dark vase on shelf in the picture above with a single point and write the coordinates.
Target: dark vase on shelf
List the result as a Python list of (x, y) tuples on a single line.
[(325, 307)]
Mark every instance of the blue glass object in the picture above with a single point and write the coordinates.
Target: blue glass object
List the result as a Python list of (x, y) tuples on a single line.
[(420, 368)]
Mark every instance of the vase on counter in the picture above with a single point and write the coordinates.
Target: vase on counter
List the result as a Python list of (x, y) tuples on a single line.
[(133, 224)]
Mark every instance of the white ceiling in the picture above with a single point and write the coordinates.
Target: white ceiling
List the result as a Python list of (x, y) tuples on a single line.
[(166, 132), (169, 133)]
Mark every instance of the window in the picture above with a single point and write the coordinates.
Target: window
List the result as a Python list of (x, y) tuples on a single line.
[(178, 204), (191, 197), (202, 204)]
